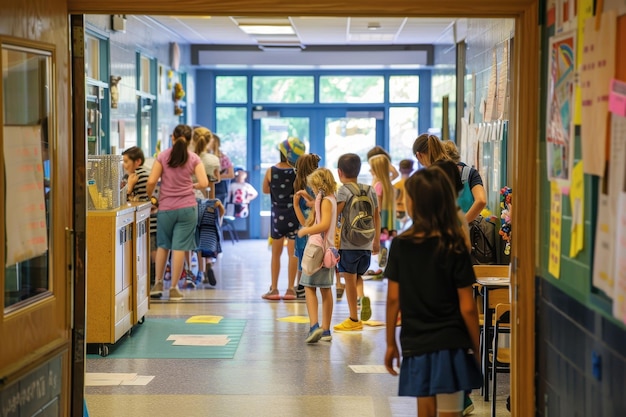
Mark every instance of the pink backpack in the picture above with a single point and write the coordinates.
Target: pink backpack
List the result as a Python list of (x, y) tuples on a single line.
[(318, 253)]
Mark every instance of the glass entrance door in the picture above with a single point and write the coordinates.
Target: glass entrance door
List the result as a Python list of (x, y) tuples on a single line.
[(270, 128), (351, 132), (327, 132)]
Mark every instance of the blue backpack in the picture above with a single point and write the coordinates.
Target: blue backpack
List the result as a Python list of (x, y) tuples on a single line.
[(208, 232), (465, 199)]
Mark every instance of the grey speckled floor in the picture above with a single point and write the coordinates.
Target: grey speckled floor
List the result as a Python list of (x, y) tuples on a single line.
[(274, 372)]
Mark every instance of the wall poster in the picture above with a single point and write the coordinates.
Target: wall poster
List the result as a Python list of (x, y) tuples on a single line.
[(560, 131)]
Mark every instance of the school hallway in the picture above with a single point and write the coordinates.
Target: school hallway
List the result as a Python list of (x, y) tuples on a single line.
[(258, 363)]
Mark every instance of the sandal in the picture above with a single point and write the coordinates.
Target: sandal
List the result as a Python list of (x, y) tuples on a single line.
[(271, 295), (340, 290), (290, 294)]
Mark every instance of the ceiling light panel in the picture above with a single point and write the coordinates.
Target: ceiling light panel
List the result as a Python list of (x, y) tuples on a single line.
[(267, 29)]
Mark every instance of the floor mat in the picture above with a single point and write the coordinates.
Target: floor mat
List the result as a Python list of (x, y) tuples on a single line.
[(149, 340)]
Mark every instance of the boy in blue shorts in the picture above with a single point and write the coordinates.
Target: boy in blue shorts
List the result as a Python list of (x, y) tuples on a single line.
[(360, 236)]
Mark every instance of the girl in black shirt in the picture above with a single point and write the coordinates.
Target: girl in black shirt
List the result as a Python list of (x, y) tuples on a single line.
[(430, 280)]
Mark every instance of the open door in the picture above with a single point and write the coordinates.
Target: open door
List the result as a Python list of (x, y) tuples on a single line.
[(35, 282)]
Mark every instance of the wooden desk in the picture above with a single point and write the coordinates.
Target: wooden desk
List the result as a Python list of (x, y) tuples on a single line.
[(488, 284)]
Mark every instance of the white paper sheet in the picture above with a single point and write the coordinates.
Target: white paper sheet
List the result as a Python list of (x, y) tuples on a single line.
[(199, 339), (368, 369), (26, 227)]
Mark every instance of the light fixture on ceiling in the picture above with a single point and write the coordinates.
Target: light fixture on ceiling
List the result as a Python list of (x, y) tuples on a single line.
[(268, 29), (373, 26)]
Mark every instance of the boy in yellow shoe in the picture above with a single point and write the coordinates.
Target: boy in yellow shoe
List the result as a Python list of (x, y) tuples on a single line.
[(357, 206)]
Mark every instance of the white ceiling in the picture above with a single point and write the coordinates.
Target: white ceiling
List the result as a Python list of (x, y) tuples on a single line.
[(313, 31)]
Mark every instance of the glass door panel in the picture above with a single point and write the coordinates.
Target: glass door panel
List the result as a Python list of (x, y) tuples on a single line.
[(349, 134), (273, 131), (268, 132)]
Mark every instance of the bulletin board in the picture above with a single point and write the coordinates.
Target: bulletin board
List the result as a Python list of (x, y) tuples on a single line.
[(580, 222)]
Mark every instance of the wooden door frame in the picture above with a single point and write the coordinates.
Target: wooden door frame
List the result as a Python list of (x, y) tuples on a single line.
[(523, 131)]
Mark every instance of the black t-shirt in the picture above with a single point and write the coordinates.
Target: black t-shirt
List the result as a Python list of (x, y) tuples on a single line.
[(429, 302)]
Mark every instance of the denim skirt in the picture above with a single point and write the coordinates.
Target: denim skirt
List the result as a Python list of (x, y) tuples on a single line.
[(321, 279)]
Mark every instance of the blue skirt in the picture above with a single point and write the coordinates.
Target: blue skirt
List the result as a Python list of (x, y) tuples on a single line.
[(321, 279), (441, 372)]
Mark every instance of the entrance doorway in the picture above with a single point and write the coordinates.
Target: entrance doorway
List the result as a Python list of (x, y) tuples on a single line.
[(328, 133)]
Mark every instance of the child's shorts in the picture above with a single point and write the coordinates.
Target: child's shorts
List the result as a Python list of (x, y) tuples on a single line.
[(177, 228), (354, 261)]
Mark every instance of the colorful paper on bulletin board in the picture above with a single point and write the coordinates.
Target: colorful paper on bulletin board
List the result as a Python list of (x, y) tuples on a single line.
[(560, 129), (619, 291), (577, 201), (617, 98), (602, 276), (554, 264), (26, 233), (597, 69), (585, 10)]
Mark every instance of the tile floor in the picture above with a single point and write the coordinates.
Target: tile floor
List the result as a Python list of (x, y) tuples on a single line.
[(274, 372)]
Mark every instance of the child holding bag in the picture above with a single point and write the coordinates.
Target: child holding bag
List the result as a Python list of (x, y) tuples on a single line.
[(320, 221)]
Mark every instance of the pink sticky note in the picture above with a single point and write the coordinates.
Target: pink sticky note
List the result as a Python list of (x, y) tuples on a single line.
[(617, 98)]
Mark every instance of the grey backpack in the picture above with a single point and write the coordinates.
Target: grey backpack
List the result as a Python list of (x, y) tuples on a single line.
[(358, 216)]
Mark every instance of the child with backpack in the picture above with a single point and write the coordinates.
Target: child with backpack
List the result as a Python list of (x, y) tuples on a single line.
[(360, 236), (320, 221), (430, 278)]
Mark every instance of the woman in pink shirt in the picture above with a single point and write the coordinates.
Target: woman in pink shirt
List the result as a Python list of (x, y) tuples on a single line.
[(178, 210)]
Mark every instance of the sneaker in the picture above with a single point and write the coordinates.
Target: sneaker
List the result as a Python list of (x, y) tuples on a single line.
[(157, 290), (175, 294), (209, 277), (326, 336), (290, 294), (468, 406), (199, 277), (349, 326), (366, 309), (272, 295), (190, 283), (300, 293), (315, 334)]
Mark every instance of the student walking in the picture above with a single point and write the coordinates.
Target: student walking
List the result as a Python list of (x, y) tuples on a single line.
[(278, 182), (406, 168), (360, 236), (178, 210), (321, 220), (430, 279), (379, 165)]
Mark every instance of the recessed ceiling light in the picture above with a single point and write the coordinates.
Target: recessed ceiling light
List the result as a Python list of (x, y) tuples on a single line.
[(268, 29)]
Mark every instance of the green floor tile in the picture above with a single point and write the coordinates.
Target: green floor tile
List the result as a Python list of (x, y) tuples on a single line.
[(149, 340)]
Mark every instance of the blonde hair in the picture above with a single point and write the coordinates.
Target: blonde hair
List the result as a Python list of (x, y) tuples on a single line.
[(200, 139), (380, 169), (452, 151), (321, 181)]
